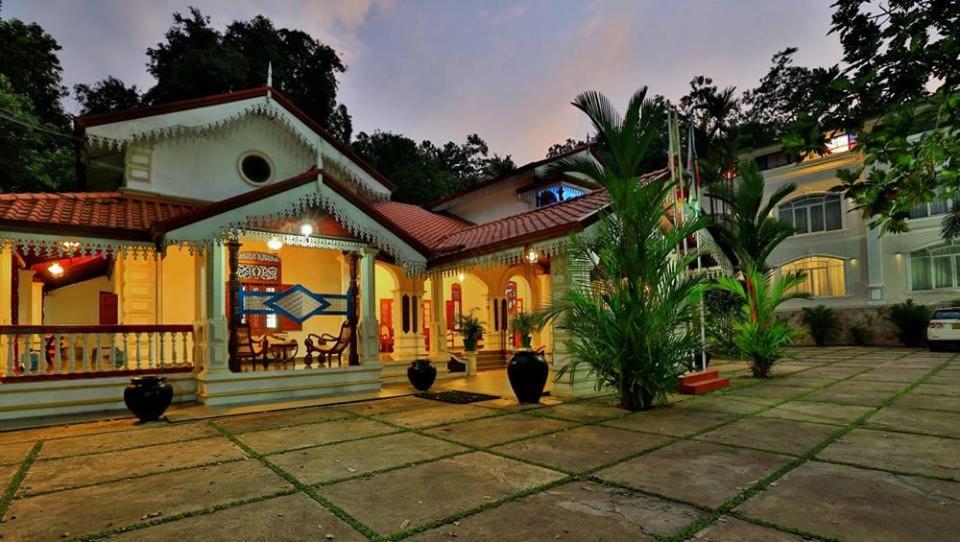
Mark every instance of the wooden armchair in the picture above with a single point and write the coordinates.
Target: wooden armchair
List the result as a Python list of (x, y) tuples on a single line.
[(327, 345), (250, 347)]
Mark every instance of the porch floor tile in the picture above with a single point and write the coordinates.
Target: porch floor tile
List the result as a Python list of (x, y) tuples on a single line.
[(403, 499), (698, 472), (836, 501), (573, 511), (110, 506), (358, 457), (582, 448)]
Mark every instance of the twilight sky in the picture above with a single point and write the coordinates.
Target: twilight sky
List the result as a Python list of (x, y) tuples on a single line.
[(441, 69)]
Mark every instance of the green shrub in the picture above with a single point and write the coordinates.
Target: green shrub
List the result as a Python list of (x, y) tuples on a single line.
[(822, 323), (911, 321), (721, 311), (859, 333)]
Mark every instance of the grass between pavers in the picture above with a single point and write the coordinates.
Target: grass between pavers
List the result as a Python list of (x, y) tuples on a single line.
[(18, 477), (728, 506), (586, 475)]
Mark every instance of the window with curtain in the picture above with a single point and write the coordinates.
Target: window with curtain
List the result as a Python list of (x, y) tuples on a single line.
[(935, 267), (823, 276), (811, 214)]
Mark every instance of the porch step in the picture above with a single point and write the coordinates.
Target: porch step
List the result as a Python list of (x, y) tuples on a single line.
[(701, 382), (489, 360)]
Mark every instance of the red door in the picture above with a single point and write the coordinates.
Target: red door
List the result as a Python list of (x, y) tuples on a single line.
[(108, 309), (386, 325), (514, 306)]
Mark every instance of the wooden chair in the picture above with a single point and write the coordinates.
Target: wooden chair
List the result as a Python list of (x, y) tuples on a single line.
[(327, 345), (250, 347)]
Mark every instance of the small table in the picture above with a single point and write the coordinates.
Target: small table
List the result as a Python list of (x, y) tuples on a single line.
[(282, 352)]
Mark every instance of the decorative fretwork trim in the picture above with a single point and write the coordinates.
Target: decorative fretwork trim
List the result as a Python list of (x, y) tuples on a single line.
[(28, 244)]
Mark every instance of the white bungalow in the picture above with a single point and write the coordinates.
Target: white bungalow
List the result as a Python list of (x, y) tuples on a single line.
[(206, 223)]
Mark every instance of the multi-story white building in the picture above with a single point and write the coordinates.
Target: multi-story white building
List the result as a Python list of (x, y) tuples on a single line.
[(848, 265)]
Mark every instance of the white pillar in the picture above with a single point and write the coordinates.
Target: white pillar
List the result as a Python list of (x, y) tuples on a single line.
[(874, 266), (369, 328), (408, 345), (566, 275), (438, 320), (215, 356)]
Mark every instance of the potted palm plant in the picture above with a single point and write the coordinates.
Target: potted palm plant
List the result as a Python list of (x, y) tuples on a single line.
[(632, 326), (527, 369), (471, 329)]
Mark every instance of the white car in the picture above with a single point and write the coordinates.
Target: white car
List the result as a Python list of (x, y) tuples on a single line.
[(944, 328)]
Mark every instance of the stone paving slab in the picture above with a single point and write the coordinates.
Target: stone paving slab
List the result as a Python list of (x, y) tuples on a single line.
[(914, 454), (291, 517), (582, 448), (903, 376), (847, 503), (582, 411), (929, 402), (437, 414), (6, 474), (491, 431), (770, 392), (952, 390), (730, 529), (945, 424), (107, 442), (670, 421), (381, 406), (58, 431), (850, 395), (573, 512), (728, 404), (275, 440), (817, 412), (14, 452), (283, 418), (799, 381), (405, 498), (357, 457), (775, 435), (700, 472), (109, 506), (84, 470)]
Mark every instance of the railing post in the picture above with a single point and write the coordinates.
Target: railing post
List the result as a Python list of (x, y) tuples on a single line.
[(233, 322), (352, 291)]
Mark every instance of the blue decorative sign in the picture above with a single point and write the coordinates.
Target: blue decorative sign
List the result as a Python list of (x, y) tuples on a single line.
[(296, 303)]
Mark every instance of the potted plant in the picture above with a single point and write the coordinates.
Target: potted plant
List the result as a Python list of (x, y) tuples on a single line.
[(422, 374), (148, 397), (471, 329), (527, 369)]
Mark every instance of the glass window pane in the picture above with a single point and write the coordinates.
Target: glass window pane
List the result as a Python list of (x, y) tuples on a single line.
[(942, 272), (833, 218), (919, 211), (800, 220), (938, 207), (786, 214), (816, 218), (920, 275)]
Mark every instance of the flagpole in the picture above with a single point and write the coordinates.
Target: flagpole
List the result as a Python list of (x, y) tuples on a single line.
[(693, 167)]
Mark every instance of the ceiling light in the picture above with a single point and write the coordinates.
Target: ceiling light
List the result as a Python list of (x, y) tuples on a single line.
[(56, 270), (533, 256), (461, 276), (70, 245), (306, 229), (274, 244)]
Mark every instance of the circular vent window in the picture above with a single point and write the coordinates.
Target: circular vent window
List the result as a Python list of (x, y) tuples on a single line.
[(255, 168)]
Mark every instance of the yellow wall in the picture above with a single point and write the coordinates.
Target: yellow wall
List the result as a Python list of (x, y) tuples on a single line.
[(77, 304), (386, 284), (178, 292)]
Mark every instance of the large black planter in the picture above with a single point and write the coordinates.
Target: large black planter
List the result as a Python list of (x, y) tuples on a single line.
[(527, 371), (422, 374), (148, 397)]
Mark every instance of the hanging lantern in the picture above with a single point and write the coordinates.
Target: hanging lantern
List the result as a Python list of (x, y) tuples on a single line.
[(55, 270), (533, 256), (306, 229), (274, 244)]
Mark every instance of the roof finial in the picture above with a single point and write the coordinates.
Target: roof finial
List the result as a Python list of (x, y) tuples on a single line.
[(269, 74)]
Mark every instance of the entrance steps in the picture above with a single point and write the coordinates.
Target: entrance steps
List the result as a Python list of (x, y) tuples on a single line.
[(701, 382), (488, 360)]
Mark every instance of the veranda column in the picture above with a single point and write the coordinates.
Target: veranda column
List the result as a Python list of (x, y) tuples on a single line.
[(438, 320), (567, 274), (215, 336), (369, 328), (233, 345), (352, 291), (874, 266)]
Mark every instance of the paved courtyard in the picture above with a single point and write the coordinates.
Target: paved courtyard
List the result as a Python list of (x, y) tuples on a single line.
[(845, 443)]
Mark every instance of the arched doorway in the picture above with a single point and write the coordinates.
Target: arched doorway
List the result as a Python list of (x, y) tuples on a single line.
[(518, 298), (386, 280)]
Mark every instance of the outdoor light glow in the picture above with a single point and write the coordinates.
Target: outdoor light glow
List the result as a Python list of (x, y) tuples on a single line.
[(533, 256), (461, 276), (853, 261), (306, 229), (70, 245), (275, 244), (56, 269)]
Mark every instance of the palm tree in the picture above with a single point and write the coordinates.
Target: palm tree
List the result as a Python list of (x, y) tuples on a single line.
[(631, 327)]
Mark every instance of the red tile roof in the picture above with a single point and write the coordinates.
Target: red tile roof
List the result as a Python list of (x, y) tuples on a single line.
[(429, 228), (104, 213)]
